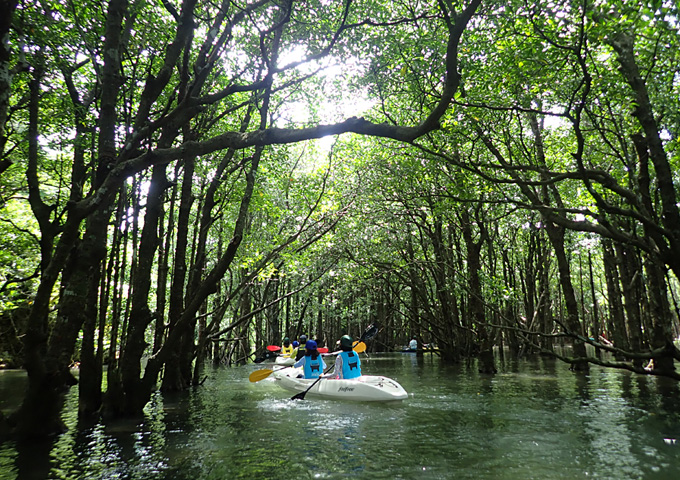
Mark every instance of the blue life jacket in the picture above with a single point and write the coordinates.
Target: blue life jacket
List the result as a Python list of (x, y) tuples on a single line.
[(351, 365), (313, 368)]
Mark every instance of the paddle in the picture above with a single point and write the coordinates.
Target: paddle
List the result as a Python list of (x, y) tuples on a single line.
[(359, 347), (273, 348), (258, 375), (261, 374), (370, 332)]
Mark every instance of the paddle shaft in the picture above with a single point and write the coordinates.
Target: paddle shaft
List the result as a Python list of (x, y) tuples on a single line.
[(359, 347), (301, 395)]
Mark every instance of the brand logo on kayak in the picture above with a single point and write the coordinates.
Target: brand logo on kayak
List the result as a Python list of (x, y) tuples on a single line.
[(346, 389)]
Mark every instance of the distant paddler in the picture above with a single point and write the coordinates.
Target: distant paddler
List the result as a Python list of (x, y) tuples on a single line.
[(312, 362), (287, 348)]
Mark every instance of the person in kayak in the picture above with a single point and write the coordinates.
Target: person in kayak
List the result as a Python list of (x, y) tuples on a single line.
[(413, 344), (347, 363), (301, 349), (287, 348), (312, 362)]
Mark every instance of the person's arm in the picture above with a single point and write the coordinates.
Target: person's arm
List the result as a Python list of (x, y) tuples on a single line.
[(300, 362)]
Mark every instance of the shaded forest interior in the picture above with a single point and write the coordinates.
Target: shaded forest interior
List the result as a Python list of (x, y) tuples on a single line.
[(189, 182)]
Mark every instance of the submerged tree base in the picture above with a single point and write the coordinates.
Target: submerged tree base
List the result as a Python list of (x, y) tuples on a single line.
[(487, 363)]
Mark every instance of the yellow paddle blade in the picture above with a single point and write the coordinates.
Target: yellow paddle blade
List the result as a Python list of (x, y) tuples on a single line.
[(360, 347), (258, 375)]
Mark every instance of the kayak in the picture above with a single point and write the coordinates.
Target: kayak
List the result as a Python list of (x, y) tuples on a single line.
[(424, 349), (284, 361), (366, 388)]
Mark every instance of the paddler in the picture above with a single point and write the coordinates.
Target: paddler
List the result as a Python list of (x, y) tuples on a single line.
[(347, 363), (287, 348), (312, 362), (301, 349)]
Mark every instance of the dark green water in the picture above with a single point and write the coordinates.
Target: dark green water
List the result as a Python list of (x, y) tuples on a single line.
[(534, 420)]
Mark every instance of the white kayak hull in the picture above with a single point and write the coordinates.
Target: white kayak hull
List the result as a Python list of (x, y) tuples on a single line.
[(284, 361), (367, 388)]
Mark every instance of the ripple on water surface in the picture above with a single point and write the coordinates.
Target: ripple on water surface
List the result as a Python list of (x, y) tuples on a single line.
[(535, 419)]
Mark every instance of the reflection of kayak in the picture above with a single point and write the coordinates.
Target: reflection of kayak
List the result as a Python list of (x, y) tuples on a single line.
[(284, 361), (367, 388)]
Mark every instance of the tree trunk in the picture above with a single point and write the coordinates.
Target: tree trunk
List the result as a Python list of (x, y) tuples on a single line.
[(573, 325), (475, 294), (442, 294), (662, 328), (631, 273), (7, 7), (173, 378), (140, 314), (545, 298), (49, 355), (617, 320), (623, 44)]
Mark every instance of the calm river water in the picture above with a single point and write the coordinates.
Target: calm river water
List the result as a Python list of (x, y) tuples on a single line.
[(533, 420)]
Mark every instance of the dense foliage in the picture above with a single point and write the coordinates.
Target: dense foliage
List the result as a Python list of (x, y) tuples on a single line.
[(193, 181)]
